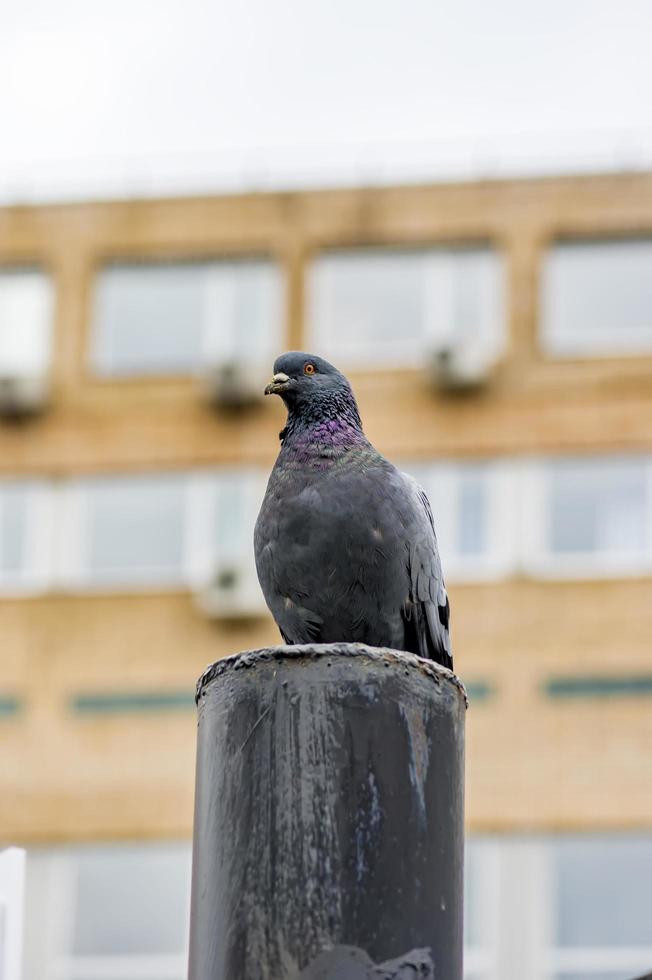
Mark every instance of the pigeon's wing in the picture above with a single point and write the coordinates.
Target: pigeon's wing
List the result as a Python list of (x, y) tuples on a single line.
[(429, 614)]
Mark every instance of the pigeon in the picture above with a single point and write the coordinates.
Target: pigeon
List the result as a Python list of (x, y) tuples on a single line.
[(345, 542)]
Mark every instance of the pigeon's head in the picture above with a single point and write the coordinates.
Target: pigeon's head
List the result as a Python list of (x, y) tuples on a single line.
[(312, 387), (300, 377)]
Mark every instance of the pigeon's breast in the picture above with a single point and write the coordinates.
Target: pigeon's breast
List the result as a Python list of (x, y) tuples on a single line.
[(326, 530)]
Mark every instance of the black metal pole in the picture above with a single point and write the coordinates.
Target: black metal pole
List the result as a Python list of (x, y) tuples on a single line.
[(328, 839)]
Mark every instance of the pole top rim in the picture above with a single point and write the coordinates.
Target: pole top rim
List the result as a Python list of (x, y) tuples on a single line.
[(248, 659)]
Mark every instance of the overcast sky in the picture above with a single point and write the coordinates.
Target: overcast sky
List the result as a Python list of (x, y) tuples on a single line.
[(134, 97)]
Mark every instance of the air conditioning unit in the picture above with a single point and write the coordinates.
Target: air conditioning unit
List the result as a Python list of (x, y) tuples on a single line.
[(23, 395), (232, 593), (235, 384), (461, 365)]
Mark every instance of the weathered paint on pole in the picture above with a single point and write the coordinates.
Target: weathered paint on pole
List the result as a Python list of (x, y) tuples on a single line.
[(328, 840)]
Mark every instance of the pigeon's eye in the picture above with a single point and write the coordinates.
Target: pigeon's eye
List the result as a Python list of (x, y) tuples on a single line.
[(309, 368)]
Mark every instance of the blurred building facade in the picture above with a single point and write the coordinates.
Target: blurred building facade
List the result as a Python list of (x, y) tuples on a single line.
[(499, 339)]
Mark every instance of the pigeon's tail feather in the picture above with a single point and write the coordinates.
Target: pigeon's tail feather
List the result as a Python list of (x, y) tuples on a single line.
[(424, 636), (414, 640), (437, 634)]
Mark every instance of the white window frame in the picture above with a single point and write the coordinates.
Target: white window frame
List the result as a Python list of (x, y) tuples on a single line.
[(536, 558), (438, 270), (635, 960), (319, 315), (441, 267), (480, 958), (73, 572), (580, 343), (201, 559), (499, 558), (517, 527), (51, 879), (525, 916), (516, 908), (514, 896), (36, 572), (218, 302)]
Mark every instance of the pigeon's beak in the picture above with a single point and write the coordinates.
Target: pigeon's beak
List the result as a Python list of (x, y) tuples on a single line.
[(278, 384)]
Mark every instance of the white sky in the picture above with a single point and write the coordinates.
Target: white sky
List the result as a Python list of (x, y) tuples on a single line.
[(134, 97)]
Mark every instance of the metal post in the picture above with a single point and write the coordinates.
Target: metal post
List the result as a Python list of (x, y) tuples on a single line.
[(328, 839)]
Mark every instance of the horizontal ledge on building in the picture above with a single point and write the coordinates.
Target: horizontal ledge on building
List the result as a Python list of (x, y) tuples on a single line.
[(10, 706), (398, 659), (479, 690), (131, 702), (599, 686)]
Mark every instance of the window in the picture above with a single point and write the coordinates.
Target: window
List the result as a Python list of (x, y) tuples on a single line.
[(389, 307), (116, 911), (588, 516), (13, 528), (553, 518), (473, 507), (472, 515), (597, 298), (602, 896), (125, 530), (558, 908), (481, 880), (159, 530), (179, 318), (26, 528), (26, 311), (597, 507), (554, 908)]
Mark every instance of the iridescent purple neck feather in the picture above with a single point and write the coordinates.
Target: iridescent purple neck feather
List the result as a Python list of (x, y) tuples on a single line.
[(329, 420)]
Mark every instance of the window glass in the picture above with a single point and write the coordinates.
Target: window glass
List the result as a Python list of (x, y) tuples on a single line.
[(243, 311), (232, 519), (131, 899), (135, 527), (472, 512), (579, 903), (597, 506), (13, 527), (597, 297), (603, 892), (26, 303), (387, 306), (149, 319), (367, 298), (166, 318)]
